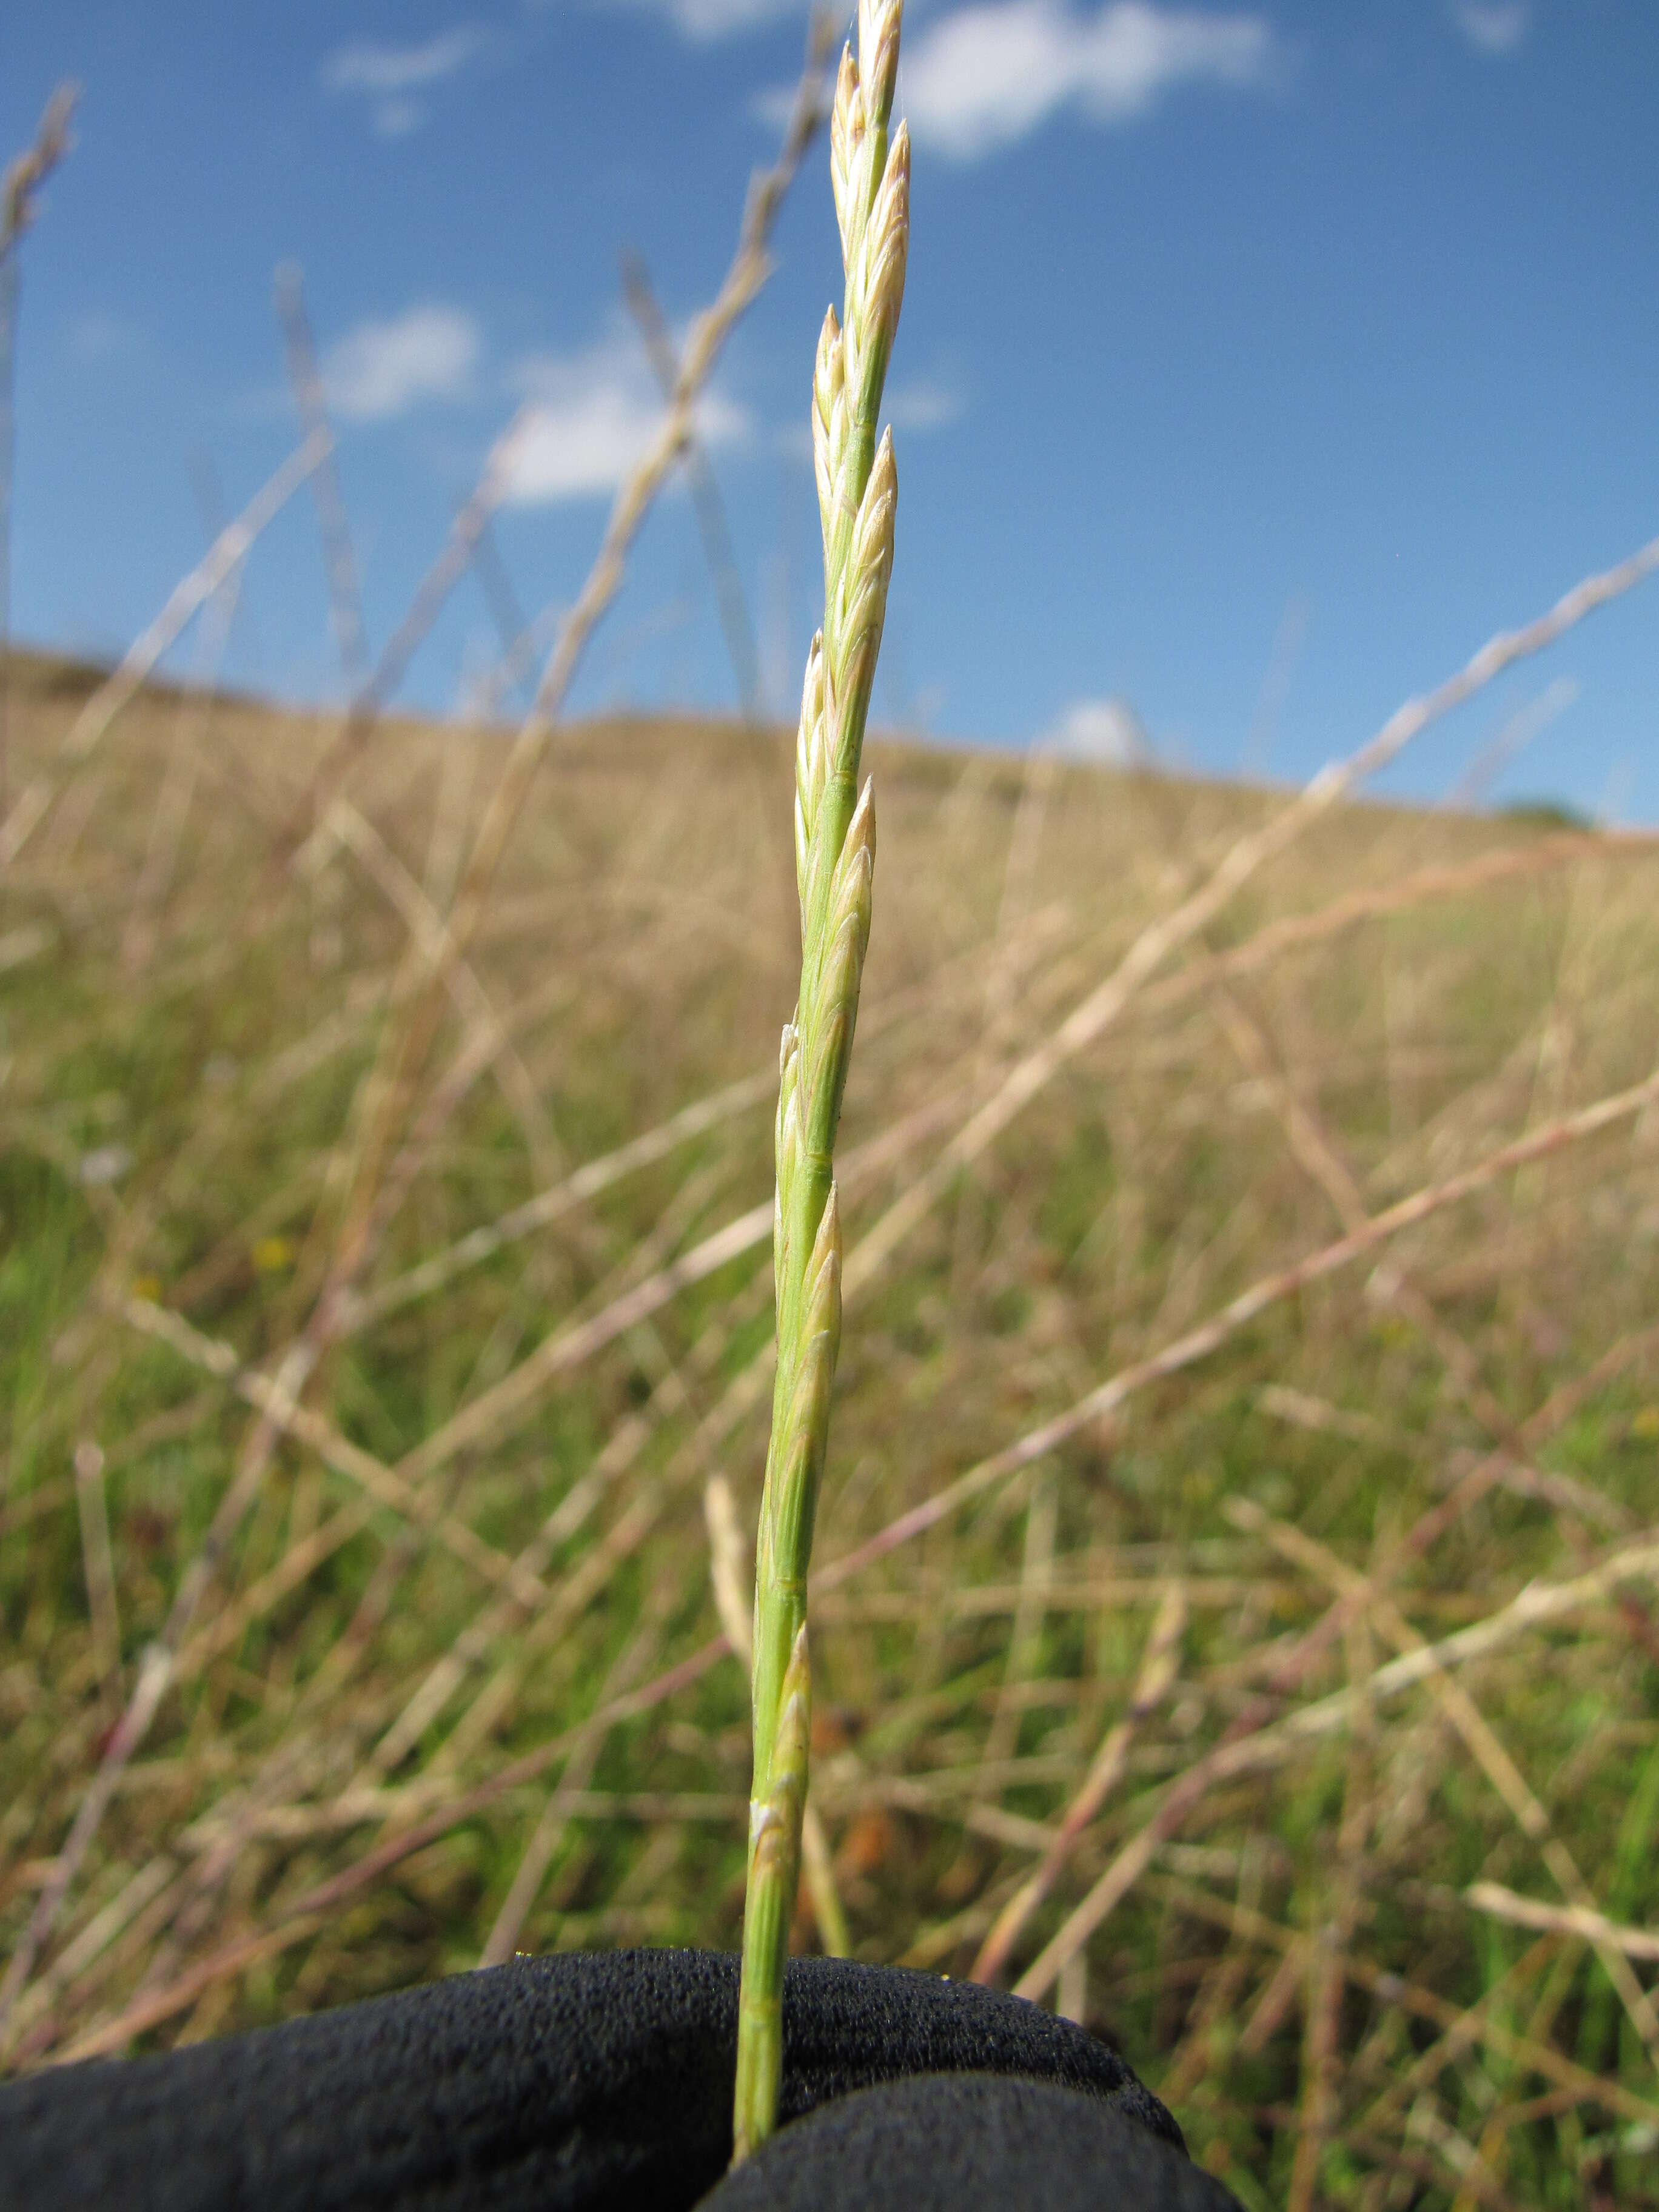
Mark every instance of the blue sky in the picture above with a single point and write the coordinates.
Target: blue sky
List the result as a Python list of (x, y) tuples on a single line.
[(1256, 362)]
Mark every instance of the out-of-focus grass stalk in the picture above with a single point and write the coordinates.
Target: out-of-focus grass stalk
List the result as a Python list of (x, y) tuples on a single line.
[(19, 191), (834, 858)]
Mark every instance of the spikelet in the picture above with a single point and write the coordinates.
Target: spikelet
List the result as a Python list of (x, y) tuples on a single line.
[(786, 1146), (812, 761), (807, 1431), (835, 996), (855, 623), (828, 418), (834, 829), (875, 282)]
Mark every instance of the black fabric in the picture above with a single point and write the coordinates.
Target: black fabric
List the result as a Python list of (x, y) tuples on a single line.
[(585, 2082), (942, 2142)]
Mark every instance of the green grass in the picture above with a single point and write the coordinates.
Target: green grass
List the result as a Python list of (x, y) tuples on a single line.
[(638, 951)]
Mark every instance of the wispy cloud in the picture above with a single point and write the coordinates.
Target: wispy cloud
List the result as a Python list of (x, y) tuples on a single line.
[(720, 19), (98, 335), (706, 20), (1493, 27), (985, 76), (924, 403), (1105, 732), (385, 368), (595, 414), (773, 105), (392, 78)]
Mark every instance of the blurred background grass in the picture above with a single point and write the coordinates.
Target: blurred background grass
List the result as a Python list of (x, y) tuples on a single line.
[(455, 1680)]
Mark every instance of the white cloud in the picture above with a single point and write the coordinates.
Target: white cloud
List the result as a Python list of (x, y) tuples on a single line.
[(924, 404), (98, 335), (367, 67), (792, 441), (383, 369), (706, 19), (396, 119), (1493, 27), (1106, 732), (595, 412), (389, 77), (719, 19), (983, 77), (773, 105)]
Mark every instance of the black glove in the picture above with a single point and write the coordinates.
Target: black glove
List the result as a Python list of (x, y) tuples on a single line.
[(588, 2083)]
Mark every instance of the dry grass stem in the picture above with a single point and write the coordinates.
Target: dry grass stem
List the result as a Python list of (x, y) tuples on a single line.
[(229, 550), (1589, 1926), (29, 171), (1101, 1009), (1157, 1673)]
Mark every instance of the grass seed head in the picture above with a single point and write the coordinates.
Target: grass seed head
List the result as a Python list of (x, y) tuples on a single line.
[(834, 838)]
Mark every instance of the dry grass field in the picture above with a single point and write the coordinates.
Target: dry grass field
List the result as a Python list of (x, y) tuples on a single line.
[(1240, 1507)]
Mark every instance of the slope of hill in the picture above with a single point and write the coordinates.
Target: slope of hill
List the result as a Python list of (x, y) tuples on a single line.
[(1240, 1507)]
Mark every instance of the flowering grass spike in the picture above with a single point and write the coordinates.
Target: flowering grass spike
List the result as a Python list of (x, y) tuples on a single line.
[(835, 863)]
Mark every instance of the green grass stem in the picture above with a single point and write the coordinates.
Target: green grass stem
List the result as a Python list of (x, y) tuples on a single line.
[(835, 863)]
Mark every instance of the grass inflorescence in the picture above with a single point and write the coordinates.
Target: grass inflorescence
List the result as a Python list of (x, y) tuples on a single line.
[(835, 864)]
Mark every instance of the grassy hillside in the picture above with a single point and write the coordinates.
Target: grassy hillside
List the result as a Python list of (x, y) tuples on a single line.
[(445, 1675)]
